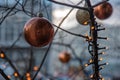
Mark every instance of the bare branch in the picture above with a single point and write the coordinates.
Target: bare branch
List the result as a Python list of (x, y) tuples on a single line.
[(69, 5)]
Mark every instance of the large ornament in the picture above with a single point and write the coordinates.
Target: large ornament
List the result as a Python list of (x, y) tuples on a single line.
[(38, 32), (83, 16), (103, 11), (64, 57)]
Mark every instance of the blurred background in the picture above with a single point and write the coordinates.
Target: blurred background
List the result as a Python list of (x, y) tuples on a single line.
[(15, 13)]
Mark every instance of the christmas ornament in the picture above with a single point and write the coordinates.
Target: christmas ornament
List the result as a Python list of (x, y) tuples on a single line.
[(82, 16), (64, 57), (103, 11), (38, 32)]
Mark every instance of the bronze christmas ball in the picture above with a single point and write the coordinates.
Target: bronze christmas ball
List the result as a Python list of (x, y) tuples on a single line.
[(38, 32), (82, 17), (103, 11), (64, 57)]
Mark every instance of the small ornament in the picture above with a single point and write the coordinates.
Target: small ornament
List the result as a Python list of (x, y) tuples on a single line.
[(38, 32), (64, 57), (83, 16), (103, 11), (40, 14)]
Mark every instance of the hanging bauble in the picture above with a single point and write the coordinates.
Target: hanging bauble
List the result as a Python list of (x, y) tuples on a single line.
[(83, 16), (64, 57), (38, 32), (103, 11)]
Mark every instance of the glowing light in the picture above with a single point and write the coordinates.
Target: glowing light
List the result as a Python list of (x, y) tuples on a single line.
[(9, 76), (2, 55), (27, 74), (86, 65), (90, 60), (101, 59), (107, 63), (16, 74), (86, 34), (92, 28), (85, 23), (35, 68), (90, 38), (29, 78), (103, 52), (102, 79), (106, 47), (91, 76), (107, 38)]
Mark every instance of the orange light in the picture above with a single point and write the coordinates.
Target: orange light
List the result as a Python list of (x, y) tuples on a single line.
[(29, 78), (90, 60), (27, 74), (85, 23), (2, 55), (35, 68), (90, 38), (16, 74), (9, 76), (92, 28)]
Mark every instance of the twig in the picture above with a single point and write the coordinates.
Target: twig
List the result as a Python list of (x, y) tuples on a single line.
[(9, 12), (79, 35), (3, 74), (100, 3), (44, 4), (69, 5), (23, 10), (46, 53)]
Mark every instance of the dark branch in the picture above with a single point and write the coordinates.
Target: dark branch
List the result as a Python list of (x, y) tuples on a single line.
[(69, 5)]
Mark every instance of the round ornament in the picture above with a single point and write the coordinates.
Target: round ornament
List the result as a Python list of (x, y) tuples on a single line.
[(83, 16), (64, 57), (103, 11), (38, 32)]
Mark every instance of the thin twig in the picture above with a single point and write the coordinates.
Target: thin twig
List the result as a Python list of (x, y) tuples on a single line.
[(69, 5), (9, 12), (44, 4), (79, 35), (100, 3), (46, 53), (3, 74)]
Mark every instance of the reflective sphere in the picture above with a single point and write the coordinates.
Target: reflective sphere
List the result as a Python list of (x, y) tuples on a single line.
[(82, 17), (38, 32), (103, 11), (64, 57)]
